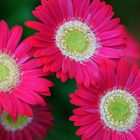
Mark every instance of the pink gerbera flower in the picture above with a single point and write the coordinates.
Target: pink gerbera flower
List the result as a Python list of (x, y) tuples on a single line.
[(21, 81), (109, 110), (132, 51), (27, 128), (73, 36)]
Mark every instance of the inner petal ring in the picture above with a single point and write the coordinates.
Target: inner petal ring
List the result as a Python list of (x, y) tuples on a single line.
[(76, 40)]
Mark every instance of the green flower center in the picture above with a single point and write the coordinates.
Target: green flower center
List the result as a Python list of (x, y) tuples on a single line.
[(12, 125), (76, 40), (21, 120), (9, 73), (4, 72), (119, 110)]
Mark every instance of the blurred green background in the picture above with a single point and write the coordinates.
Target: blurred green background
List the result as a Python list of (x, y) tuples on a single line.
[(16, 12)]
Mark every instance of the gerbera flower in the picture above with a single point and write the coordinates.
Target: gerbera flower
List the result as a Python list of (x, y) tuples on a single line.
[(21, 81), (73, 36), (27, 128), (132, 51), (109, 110)]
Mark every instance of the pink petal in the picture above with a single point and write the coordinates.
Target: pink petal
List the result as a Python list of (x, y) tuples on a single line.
[(15, 35)]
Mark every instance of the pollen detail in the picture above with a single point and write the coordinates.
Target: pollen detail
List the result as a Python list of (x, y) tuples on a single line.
[(9, 73), (119, 110), (10, 124), (76, 40)]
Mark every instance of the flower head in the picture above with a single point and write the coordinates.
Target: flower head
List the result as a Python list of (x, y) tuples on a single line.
[(29, 128), (74, 35), (132, 51), (109, 109), (21, 78)]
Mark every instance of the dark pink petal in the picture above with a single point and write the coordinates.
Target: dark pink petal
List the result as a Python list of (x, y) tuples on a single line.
[(122, 74), (14, 37), (4, 33), (35, 25), (108, 53), (22, 49)]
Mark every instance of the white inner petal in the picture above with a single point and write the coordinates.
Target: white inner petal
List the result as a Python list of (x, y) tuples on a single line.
[(89, 39), (119, 110), (11, 73), (9, 124)]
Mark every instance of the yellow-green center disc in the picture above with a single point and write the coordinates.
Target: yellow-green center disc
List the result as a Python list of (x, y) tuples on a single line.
[(4, 72), (75, 41)]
